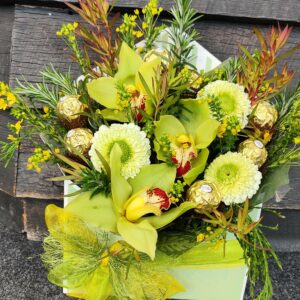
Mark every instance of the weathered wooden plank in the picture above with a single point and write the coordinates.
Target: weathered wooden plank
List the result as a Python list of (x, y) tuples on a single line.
[(35, 28), (34, 217), (6, 23), (31, 184), (7, 176), (278, 10), (35, 43)]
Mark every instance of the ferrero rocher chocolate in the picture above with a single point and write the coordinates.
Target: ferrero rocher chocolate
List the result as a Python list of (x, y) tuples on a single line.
[(265, 115), (79, 139), (254, 150), (205, 194), (68, 111)]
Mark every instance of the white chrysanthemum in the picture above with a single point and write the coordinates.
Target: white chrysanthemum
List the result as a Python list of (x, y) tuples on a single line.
[(233, 100), (236, 177), (133, 142)]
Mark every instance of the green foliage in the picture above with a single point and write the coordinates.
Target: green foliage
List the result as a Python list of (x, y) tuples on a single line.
[(216, 108), (282, 149), (8, 149), (257, 252), (175, 243), (94, 181), (182, 32)]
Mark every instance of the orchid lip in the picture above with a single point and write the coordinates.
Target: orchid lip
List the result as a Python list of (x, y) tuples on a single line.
[(152, 201)]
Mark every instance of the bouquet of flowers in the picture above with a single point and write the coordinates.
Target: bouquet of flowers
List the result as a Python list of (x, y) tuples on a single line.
[(164, 152)]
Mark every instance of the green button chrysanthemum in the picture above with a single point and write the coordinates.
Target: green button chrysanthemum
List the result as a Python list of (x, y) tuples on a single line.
[(133, 142), (236, 177), (233, 100)]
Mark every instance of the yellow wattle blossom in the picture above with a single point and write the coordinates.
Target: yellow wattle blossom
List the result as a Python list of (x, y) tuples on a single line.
[(16, 128), (40, 156), (297, 140), (10, 137), (267, 136), (200, 237), (144, 25), (3, 104), (138, 34), (7, 98)]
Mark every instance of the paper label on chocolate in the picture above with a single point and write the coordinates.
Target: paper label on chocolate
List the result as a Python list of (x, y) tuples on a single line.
[(206, 188), (259, 144), (70, 133)]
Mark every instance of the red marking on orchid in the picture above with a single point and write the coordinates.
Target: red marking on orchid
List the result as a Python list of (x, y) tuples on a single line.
[(157, 196)]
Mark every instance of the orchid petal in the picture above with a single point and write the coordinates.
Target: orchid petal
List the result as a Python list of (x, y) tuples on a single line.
[(97, 211), (141, 236), (129, 64), (154, 176), (120, 188), (198, 166), (195, 112), (169, 216), (114, 115), (168, 125), (103, 90), (206, 133), (147, 71)]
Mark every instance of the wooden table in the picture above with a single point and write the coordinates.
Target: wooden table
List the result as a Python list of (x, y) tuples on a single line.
[(28, 42)]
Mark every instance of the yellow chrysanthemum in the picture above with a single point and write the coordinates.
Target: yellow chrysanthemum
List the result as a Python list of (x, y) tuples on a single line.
[(236, 177), (233, 100), (133, 142)]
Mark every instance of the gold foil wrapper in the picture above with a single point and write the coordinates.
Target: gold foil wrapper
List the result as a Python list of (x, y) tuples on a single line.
[(254, 150), (205, 194), (68, 109), (265, 115), (79, 139)]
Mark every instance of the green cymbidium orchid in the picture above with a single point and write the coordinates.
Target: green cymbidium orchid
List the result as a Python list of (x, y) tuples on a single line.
[(124, 212), (133, 74), (194, 131)]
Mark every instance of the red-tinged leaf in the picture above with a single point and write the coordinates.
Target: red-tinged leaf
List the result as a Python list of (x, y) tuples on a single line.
[(260, 38)]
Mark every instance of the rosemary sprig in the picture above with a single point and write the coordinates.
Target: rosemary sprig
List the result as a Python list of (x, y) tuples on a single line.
[(182, 32), (40, 92), (62, 80)]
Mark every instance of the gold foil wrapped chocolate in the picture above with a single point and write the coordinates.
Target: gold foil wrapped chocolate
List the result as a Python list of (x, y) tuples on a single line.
[(205, 194), (68, 111), (254, 150), (265, 115), (79, 140)]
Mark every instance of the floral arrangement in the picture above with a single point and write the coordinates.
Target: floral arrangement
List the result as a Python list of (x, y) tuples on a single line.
[(166, 159)]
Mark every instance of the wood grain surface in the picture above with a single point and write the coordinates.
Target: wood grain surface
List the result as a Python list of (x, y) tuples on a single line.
[(262, 10), (7, 176)]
